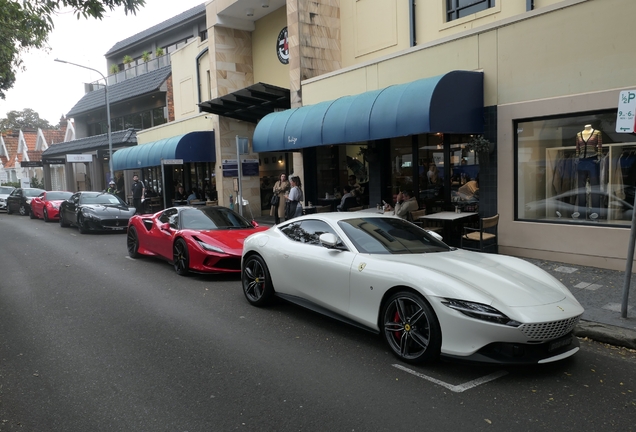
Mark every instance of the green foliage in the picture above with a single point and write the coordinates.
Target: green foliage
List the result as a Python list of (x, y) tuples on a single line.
[(25, 25), (159, 52), (114, 69), (145, 56), (127, 59), (12, 184), (35, 183), (25, 119)]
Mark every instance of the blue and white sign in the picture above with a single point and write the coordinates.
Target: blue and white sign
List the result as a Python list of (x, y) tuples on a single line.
[(626, 115)]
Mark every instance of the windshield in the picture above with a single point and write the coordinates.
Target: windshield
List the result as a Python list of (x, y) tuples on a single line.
[(212, 218), (390, 236), (32, 192), (4, 190), (57, 196), (102, 198)]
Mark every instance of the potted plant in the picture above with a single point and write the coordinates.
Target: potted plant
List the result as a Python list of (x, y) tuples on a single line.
[(482, 148), (127, 60), (114, 69), (159, 52), (145, 56)]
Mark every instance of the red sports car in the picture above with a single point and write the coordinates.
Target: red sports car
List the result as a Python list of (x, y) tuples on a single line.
[(194, 239), (47, 205)]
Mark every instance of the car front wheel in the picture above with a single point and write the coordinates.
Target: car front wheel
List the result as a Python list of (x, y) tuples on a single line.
[(32, 214), (62, 223), (81, 224), (257, 283), (411, 329), (132, 241), (45, 215), (180, 257)]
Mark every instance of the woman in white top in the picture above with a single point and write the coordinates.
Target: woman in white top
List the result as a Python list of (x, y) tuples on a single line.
[(295, 198)]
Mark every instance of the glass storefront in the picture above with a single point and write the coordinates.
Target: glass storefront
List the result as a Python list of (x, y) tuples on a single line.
[(575, 169), (271, 166)]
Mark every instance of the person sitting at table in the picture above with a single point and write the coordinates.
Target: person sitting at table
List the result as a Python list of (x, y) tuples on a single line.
[(405, 204), (469, 191), (192, 196), (180, 195), (348, 200)]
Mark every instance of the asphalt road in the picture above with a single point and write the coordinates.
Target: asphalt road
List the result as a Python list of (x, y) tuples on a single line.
[(91, 340)]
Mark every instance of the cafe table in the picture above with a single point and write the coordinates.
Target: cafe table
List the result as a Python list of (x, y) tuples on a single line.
[(453, 223)]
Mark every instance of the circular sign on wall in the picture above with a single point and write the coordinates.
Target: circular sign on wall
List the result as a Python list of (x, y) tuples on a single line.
[(282, 47)]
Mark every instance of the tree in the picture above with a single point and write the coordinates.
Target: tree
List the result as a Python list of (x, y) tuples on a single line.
[(25, 119), (26, 24)]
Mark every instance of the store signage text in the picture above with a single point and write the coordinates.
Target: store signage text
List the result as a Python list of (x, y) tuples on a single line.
[(626, 115)]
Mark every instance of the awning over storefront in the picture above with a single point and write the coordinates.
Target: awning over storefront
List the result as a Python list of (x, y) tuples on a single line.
[(449, 103), (191, 147)]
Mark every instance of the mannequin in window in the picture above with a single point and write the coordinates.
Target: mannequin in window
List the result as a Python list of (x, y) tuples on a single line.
[(589, 150)]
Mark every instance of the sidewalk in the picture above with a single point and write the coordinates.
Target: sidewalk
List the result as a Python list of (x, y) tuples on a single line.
[(599, 291)]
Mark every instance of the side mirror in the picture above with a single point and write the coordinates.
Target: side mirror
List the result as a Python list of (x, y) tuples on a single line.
[(165, 227), (330, 241), (435, 235), (254, 224)]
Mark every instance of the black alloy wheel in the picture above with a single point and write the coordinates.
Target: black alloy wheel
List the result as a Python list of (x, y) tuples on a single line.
[(180, 257), (81, 224), (257, 283), (45, 215), (411, 329), (23, 210), (132, 242), (31, 214)]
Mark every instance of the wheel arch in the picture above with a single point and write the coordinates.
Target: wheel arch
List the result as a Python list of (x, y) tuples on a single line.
[(389, 293)]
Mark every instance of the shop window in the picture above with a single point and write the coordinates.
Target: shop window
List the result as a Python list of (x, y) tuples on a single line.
[(158, 116), (456, 9), (575, 169)]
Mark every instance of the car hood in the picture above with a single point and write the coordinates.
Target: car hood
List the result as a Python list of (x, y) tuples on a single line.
[(231, 241), (108, 209), (511, 281)]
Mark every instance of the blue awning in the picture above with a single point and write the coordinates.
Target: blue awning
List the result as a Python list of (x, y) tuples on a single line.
[(191, 147), (449, 103)]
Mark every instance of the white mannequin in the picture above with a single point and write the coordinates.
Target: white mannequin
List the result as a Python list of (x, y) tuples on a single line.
[(587, 132)]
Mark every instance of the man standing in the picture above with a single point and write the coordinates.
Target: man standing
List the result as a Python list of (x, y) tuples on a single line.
[(137, 193)]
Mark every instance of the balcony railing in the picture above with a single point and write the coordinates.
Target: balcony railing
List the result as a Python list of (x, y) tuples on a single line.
[(133, 71)]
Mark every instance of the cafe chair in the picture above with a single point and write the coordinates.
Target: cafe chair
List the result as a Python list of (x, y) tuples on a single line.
[(349, 202), (323, 209), (354, 209), (483, 238)]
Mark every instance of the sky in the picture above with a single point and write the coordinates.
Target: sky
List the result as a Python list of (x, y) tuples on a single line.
[(50, 88)]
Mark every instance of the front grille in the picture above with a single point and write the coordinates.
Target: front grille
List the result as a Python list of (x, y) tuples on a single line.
[(114, 223), (549, 330)]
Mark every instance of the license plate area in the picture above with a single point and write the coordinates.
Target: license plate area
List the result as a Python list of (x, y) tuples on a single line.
[(560, 343)]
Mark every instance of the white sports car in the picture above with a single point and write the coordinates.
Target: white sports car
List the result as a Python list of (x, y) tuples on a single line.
[(426, 298)]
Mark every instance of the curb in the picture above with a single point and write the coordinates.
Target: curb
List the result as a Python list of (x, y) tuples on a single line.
[(606, 333)]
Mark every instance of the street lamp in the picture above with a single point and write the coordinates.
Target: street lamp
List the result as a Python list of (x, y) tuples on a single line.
[(110, 139)]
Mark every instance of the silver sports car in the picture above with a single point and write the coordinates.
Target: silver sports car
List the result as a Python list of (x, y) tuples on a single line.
[(424, 297)]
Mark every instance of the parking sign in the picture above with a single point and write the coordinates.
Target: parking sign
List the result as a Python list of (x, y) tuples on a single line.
[(626, 115)]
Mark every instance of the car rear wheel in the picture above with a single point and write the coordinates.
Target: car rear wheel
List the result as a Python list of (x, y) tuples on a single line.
[(45, 215), (62, 223), (132, 241), (81, 224), (23, 210), (257, 283), (180, 257), (410, 327)]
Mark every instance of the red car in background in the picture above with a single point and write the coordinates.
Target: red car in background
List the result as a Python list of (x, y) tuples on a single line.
[(194, 239), (47, 205)]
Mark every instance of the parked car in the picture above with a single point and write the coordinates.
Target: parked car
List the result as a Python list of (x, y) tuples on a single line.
[(205, 239), (20, 200), (5, 191), (95, 211), (425, 298), (47, 205)]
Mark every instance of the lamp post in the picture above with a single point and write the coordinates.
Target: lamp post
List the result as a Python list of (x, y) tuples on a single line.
[(110, 139)]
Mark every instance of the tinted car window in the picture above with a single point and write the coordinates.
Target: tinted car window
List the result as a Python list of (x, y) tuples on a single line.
[(32, 192), (170, 216), (389, 236), (57, 196), (307, 231), (101, 198), (5, 190)]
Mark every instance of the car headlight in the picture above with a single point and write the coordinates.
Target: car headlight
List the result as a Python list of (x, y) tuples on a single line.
[(208, 247), (28, 200), (55, 206), (88, 214), (480, 311)]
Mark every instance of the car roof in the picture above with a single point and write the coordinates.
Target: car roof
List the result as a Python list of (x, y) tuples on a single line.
[(338, 216)]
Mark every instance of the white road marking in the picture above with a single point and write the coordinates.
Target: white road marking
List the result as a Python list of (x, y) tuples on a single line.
[(566, 269), (455, 388)]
